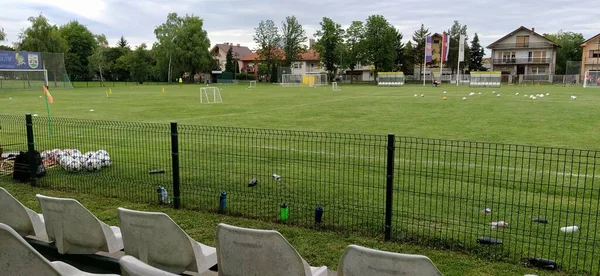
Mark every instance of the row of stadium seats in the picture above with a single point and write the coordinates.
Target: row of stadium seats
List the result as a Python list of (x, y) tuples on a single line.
[(390, 83)]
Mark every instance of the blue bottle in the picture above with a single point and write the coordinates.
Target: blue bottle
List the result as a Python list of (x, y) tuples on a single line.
[(318, 214), (223, 201)]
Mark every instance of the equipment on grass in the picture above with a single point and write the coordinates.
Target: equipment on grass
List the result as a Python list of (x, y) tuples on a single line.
[(592, 79), (252, 84), (210, 95), (390, 79), (485, 79), (334, 86)]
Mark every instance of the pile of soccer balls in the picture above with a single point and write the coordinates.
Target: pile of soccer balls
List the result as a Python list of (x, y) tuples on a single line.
[(72, 160)]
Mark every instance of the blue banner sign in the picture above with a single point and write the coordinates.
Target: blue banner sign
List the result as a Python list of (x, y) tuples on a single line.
[(20, 60)]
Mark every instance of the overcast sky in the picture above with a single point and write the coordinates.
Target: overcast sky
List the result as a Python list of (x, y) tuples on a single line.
[(234, 20)]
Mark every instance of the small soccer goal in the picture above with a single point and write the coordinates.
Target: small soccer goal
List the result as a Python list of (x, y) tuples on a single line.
[(210, 95), (314, 79), (252, 84), (390, 79), (592, 79), (334, 86), (291, 79), (485, 79)]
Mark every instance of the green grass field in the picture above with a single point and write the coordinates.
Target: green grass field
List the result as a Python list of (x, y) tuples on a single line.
[(439, 188)]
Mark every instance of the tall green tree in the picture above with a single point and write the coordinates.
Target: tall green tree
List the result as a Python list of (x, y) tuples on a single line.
[(81, 43), (380, 43), (293, 36), (97, 63), (477, 54), (454, 34), (183, 40), (569, 50), (399, 60), (267, 38), (329, 42), (408, 67), (41, 36), (419, 37), (354, 44), (2, 34), (122, 43), (229, 62), (139, 62)]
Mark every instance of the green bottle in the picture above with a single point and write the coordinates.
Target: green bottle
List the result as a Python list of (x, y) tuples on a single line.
[(285, 212)]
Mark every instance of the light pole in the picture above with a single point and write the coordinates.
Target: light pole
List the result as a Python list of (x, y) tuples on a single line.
[(170, 50)]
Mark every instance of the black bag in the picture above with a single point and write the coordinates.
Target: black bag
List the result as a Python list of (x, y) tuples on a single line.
[(21, 172)]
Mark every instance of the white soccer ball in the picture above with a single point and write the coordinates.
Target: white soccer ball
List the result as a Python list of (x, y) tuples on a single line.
[(444, 92), (479, 93), (547, 94), (541, 95), (90, 154), (102, 152), (493, 92), (71, 165), (422, 95), (416, 95), (105, 161), (517, 93), (93, 164), (498, 95), (464, 98), (60, 155), (573, 97), (48, 155), (79, 157)]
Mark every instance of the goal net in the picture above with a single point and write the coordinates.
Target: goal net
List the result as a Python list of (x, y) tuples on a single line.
[(30, 70), (210, 95), (390, 79), (291, 79), (252, 84), (314, 79), (592, 79), (485, 79)]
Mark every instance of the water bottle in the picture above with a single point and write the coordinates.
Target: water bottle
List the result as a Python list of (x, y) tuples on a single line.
[(165, 196), (318, 214), (159, 192), (284, 212), (223, 201), (569, 229)]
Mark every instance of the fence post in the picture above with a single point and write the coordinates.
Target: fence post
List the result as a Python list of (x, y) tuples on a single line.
[(31, 150), (175, 157), (389, 189)]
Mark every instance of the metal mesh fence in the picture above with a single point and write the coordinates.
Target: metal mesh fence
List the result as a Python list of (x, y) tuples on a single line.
[(460, 195)]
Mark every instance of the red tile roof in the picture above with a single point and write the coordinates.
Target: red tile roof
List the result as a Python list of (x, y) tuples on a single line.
[(308, 55)]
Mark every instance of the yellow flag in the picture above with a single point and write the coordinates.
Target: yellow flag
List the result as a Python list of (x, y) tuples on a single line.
[(110, 91), (163, 90)]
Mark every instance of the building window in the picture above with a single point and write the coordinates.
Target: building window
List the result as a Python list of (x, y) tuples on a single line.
[(537, 56), (508, 57), (436, 41), (522, 41), (594, 54), (538, 70)]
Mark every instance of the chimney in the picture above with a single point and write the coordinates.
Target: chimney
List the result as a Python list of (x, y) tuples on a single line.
[(533, 30)]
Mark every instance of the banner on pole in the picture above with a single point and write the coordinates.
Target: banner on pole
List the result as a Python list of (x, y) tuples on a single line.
[(461, 48), (445, 47), (428, 54), (20, 60)]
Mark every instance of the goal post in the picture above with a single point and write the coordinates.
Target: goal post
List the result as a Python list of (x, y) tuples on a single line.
[(592, 79), (390, 79), (485, 79), (210, 95), (252, 84), (334, 86), (30, 70)]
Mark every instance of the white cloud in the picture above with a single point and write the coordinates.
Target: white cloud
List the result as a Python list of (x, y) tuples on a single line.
[(234, 20)]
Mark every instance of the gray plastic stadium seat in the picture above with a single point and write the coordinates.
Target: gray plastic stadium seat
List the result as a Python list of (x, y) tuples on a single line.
[(130, 266), (154, 238), (360, 261), (20, 218), (75, 230)]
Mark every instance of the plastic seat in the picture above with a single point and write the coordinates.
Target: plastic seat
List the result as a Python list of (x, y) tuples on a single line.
[(130, 266), (23, 220)]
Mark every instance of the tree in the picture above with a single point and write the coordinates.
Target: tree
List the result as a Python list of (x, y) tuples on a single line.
[(569, 50), (293, 38), (42, 37), (267, 38), (380, 43), (139, 63), (183, 42), (419, 37), (454, 34), (2, 34), (399, 61), (229, 62), (330, 39), (355, 51), (101, 40), (477, 54), (408, 67), (97, 63), (82, 44), (122, 43)]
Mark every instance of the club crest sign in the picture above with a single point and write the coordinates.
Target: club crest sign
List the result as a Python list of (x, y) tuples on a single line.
[(34, 61)]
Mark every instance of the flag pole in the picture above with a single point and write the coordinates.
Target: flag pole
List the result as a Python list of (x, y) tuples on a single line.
[(50, 130), (424, 60), (442, 56)]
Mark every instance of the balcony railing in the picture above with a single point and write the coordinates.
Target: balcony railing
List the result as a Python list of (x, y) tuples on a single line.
[(522, 60), (592, 60), (530, 45)]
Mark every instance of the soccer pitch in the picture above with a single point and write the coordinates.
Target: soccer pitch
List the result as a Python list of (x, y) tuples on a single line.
[(440, 185), (554, 120)]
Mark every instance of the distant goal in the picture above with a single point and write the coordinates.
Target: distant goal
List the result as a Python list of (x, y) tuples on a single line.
[(592, 79), (307, 79), (210, 95)]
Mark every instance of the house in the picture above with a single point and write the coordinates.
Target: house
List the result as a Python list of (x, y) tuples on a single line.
[(308, 62), (219, 52), (590, 56), (436, 54), (526, 54), (361, 73)]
